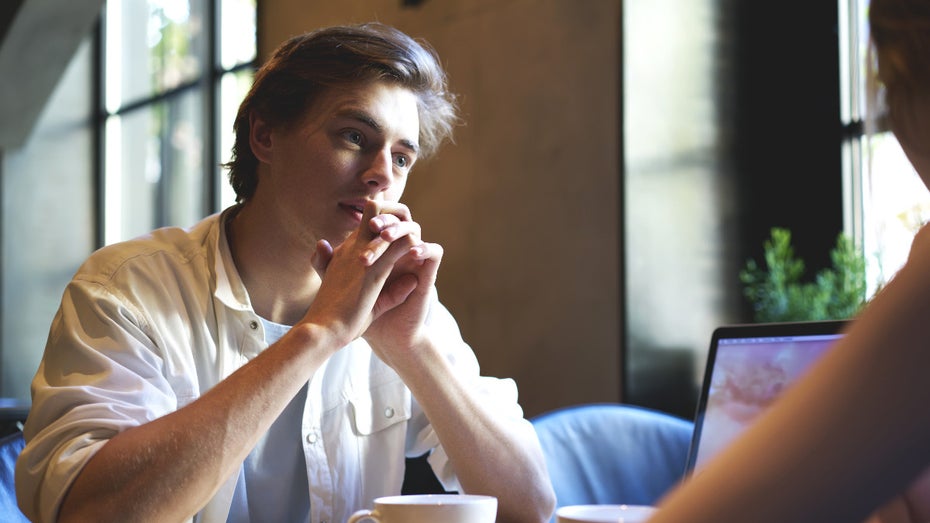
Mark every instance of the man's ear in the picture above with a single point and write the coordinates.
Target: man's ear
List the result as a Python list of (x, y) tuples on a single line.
[(260, 138)]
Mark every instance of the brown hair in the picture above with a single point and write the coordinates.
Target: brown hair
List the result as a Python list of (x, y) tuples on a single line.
[(900, 33), (306, 66)]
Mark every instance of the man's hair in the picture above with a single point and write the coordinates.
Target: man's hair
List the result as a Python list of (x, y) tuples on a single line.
[(306, 67)]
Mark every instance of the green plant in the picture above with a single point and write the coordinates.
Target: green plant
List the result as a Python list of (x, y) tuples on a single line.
[(777, 292)]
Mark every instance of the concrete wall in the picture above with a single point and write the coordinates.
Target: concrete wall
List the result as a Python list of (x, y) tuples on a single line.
[(47, 225), (526, 202)]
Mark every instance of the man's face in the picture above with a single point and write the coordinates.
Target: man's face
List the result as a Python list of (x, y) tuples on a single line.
[(353, 145)]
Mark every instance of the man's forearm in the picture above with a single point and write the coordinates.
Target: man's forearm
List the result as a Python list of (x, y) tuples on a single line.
[(169, 468), (490, 455)]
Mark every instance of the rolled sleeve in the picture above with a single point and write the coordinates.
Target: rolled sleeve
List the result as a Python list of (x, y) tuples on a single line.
[(100, 375)]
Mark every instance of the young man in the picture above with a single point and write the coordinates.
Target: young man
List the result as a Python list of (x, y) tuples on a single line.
[(278, 361)]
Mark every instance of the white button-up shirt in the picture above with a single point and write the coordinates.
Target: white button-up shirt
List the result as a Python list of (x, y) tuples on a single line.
[(147, 326)]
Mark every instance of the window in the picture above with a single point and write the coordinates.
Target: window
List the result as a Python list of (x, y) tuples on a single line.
[(887, 201), (174, 72)]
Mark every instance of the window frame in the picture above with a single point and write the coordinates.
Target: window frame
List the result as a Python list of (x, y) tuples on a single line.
[(208, 83)]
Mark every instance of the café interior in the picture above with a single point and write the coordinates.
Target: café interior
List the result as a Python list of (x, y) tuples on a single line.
[(618, 164)]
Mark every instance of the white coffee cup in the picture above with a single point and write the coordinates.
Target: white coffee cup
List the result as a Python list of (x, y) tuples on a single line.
[(430, 508), (604, 513)]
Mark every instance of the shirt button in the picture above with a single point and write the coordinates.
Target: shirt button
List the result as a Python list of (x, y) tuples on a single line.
[(253, 325), (388, 412), (311, 438)]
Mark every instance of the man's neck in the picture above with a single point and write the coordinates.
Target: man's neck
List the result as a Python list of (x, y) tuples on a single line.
[(276, 273)]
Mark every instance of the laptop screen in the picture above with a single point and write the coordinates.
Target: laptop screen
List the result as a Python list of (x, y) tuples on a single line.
[(748, 367)]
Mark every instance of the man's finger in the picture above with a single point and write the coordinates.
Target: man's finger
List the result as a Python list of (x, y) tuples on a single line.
[(393, 231), (321, 257), (397, 209)]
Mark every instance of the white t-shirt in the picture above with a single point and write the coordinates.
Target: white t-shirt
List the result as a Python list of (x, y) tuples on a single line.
[(272, 483)]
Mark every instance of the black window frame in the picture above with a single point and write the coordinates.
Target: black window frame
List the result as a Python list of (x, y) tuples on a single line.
[(209, 84)]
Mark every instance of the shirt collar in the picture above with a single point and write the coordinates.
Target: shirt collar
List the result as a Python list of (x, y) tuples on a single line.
[(229, 287)]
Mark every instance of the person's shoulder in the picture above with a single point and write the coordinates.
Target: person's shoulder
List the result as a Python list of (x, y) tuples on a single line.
[(158, 251), (920, 246)]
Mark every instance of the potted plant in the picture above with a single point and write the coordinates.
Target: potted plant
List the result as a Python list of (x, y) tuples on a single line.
[(778, 292)]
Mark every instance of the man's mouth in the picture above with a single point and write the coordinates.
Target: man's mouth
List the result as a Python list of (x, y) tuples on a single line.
[(353, 207)]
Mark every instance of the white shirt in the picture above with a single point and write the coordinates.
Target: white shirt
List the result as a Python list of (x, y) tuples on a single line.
[(147, 326)]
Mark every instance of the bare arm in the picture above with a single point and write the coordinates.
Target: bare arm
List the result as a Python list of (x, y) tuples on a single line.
[(186, 456), (490, 455), (846, 438)]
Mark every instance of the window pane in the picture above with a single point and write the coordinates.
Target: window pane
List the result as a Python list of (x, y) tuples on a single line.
[(233, 88), (237, 33), (184, 178), (674, 164), (895, 204), (132, 172), (170, 54), (154, 167)]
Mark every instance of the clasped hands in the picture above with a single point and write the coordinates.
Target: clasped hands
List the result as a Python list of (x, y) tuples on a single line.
[(378, 282)]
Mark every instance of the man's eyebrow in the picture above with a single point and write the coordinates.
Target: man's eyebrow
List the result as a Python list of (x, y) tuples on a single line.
[(370, 121)]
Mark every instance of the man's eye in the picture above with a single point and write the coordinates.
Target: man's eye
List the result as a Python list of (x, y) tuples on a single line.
[(353, 137), (401, 160)]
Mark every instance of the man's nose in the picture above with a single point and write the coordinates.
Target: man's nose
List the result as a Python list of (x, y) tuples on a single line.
[(380, 171)]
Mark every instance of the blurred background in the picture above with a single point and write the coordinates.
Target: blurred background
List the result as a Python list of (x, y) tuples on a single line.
[(621, 161)]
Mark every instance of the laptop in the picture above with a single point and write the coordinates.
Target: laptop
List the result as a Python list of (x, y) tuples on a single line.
[(748, 366)]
